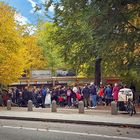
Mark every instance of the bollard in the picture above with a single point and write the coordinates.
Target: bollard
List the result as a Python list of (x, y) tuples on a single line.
[(81, 107), (54, 107), (114, 109), (30, 105), (8, 104)]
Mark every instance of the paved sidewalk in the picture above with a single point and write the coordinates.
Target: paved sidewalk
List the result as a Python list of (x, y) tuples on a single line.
[(91, 117)]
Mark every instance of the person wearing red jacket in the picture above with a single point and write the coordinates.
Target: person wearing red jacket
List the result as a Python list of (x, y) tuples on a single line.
[(115, 92)]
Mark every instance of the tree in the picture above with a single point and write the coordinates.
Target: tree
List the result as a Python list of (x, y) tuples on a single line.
[(75, 35), (109, 29), (50, 49), (10, 43), (17, 51), (35, 57)]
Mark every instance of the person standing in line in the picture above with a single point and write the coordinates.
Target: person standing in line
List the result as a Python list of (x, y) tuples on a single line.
[(25, 96), (101, 95), (133, 88), (54, 95), (108, 95), (115, 92), (86, 96), (75, 89), (17, 94), (69, 94), (93, 92), (1, 99), (44, 93)]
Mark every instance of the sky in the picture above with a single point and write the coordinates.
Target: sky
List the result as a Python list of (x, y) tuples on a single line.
[(25, 10)]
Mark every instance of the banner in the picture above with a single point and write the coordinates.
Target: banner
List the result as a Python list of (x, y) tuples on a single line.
[(41, 73)]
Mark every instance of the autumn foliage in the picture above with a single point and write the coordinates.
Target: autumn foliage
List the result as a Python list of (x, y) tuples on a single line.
[(17, 51)]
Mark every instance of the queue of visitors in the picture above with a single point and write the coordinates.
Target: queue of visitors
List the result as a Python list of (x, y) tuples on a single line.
[(68, 96)]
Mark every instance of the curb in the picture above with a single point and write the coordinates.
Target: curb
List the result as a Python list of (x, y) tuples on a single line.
[(71, 121)]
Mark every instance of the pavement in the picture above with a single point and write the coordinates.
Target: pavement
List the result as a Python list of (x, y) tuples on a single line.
[(99, 116)]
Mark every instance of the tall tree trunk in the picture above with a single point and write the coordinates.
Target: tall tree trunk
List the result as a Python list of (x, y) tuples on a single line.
[(98, 71)]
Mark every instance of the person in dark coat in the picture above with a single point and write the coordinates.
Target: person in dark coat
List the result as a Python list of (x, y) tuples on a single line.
[(108, 95), (54, 95), (25, 96), (93, 92), (86, 96), (133, 88), (18, 95), (69, 94), (1, 100)]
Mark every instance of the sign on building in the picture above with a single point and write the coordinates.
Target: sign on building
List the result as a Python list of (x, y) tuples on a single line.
[(41, 73), (61, 72), (69, 72)]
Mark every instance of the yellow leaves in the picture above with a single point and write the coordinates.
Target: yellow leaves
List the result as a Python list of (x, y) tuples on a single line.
[(6, 15), (8, 42), (125, 61), (137, 50), (12, 67), (17, 53), (34, 53), (9, 34)]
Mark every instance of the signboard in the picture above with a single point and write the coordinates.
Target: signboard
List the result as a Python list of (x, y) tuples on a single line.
[(69, 72), (61, 72), (41, 73)]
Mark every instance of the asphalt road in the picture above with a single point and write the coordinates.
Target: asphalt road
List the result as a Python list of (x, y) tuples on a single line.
[(27, 130)]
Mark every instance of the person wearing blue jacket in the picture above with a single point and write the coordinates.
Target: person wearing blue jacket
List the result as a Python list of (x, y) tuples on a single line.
[(86, 96), (108, 95), (93, 92)]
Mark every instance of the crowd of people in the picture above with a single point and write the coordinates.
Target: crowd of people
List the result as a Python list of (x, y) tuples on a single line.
[(65, 96)]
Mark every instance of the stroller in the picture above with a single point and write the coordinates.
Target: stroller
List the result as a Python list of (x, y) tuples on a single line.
[(125, 101)]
